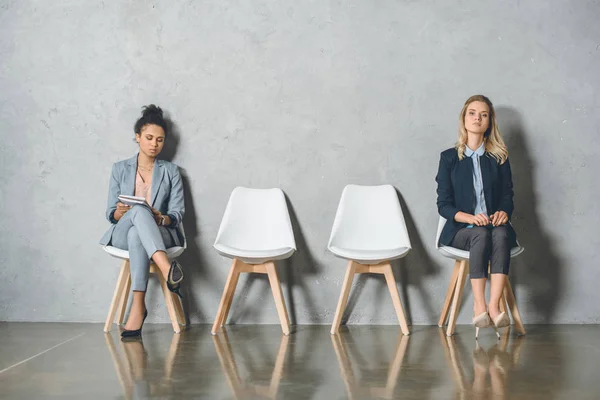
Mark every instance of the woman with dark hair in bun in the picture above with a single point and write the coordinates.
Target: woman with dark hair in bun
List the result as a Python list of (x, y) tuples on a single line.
[(146, 232)]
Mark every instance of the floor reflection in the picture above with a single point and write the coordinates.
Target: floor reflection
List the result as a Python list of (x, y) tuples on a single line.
[(496, 362), (348, 354), (138, 378), (245, 387)]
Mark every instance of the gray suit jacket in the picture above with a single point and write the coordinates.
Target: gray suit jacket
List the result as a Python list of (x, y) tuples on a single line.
[(166, 196)]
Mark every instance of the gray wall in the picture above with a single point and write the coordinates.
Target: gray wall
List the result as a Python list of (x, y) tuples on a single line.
[(305, 96)]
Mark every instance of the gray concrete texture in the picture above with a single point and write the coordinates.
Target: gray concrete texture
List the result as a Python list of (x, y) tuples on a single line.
[(304, 96)]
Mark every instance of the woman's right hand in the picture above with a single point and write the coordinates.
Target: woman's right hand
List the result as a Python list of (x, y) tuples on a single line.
[(477, 220), (480, 220), (121, 210)]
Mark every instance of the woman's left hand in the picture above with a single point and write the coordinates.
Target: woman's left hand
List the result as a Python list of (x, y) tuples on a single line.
[(499, 218), (160, 218)]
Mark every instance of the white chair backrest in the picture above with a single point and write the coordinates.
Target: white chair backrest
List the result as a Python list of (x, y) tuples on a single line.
[(441, 224), (256, 219), (180, 226), (369, 218)]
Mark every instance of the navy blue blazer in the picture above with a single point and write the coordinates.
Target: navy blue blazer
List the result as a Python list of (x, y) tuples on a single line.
[(456, 191)]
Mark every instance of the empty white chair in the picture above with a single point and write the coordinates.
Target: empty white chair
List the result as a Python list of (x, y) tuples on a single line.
[(369, 231), (121, 294), (457, 284), (256, 230)]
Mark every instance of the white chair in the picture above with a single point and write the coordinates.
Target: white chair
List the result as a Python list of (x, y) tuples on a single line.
[(121, 295), (369, 231), (256, 230), (457, 284)]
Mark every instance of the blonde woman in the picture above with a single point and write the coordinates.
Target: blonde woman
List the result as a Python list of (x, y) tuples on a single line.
[(475, 195)]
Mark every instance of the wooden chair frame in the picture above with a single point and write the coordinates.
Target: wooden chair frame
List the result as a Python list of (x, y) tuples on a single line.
[(454, 296), (118, 305), (237, 267), (385, 269)]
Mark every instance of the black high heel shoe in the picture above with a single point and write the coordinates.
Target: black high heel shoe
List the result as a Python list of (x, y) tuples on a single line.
[(134, 333), (174, 278)]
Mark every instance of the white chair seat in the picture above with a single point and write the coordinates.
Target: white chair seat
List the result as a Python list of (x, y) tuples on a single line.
[(369, 256), (254, 256), (172, 252)]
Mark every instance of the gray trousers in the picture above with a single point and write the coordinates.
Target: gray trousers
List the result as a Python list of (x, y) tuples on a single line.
[(138, 233), (485, 245)]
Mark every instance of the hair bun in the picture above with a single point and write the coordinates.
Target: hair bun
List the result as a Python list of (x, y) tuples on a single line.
[(152, 110)]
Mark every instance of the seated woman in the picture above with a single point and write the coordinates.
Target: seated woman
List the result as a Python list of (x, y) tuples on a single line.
[(146, 232), (475, 195)]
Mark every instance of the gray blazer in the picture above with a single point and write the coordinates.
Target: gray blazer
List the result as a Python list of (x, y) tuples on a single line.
[(166, 196)]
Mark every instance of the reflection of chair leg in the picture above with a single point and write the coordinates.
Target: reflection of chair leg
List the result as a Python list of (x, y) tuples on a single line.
[(278, 369), (341, 307), (345, 365), (354, 390), (123, 303), (228, 365), (396, 365), (170, 360), (168, 298), (458, 291), (124, 374), (512, 305), (449, 293), (449, 345), (121, 282)]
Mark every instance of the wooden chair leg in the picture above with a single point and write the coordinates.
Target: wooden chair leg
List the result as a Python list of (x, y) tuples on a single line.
[(169, 301), (236, 264), (179, 310), (121, 281), (449, 293), (228, 291), (278, 296), (391, 282), (512, 305), (339, 312), (458, 291), (124, 299)]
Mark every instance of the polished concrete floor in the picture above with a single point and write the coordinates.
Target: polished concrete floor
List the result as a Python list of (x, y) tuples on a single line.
[(47, 360)]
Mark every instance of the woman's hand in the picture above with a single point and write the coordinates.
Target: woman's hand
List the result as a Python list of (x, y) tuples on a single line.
[(477, 220), (499, 218), (121, 210), (161, 219), (480, 220)]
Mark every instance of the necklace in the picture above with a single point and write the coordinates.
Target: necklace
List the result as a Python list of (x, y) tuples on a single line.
[(145, 168)]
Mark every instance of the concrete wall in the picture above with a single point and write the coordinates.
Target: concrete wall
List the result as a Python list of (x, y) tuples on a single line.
[(305, 96)]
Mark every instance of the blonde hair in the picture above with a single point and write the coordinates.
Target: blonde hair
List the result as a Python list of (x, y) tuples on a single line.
[(492, 139)]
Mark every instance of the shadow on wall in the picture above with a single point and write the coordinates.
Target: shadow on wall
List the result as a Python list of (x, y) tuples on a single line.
[(539, 269), (410, 270), (192, 261)]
